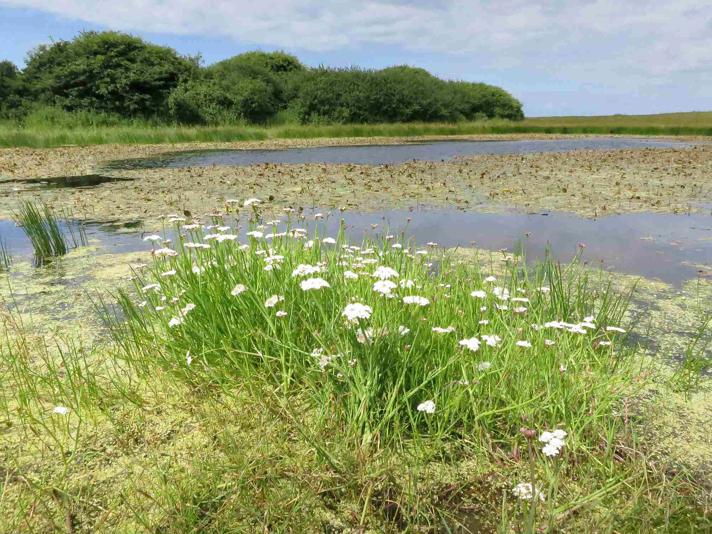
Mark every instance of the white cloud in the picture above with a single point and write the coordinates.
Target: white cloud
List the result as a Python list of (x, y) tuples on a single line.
[(596, 40)]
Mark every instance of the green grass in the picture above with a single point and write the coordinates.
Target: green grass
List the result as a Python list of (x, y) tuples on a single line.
[(42, 227), (225, 416), (52, 135)]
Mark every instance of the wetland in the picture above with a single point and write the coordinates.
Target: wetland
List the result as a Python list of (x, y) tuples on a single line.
[(627, 220)]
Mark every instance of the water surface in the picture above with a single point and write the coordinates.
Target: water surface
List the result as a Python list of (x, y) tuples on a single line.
[(387, 154), (672, 248)]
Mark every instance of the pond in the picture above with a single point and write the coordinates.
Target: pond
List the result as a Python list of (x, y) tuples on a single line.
[(387, 154), (672, 248)]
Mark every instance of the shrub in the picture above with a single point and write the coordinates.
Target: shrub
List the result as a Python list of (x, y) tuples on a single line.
[(107, 72), (209, 101)]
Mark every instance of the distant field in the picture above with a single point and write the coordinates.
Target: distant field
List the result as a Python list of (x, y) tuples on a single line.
[(12, 135)]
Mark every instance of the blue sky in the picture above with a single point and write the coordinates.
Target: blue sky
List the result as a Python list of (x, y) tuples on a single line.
[(559, 57)]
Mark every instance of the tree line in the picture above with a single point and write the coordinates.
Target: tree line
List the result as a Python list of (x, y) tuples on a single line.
[(119, 76)]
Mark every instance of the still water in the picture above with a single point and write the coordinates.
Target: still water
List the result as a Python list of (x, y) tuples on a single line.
[(387, 154), (672, 248)]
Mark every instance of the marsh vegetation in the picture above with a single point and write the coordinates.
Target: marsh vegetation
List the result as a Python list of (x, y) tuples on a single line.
[(274, 378)]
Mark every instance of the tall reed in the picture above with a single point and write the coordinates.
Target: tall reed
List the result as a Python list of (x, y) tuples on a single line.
[(42, 227)]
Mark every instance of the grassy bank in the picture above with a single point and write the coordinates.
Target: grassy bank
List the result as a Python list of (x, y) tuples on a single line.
[(40, 136), (243, 389)]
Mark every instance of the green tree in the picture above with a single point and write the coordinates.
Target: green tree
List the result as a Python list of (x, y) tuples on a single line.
[(107, 72), (479, 100), (11, 89)]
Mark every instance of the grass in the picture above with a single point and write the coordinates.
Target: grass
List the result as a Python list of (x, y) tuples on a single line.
[(5, 256), (207, 411), (43, 229), (53, 135)]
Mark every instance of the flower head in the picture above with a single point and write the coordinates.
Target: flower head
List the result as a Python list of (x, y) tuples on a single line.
[(313, 283), (238, 289), (273, 301), (384, 287), (355, 311), (441, 330), (306, 270), (491, 341), (384, 273), (60, 410), (426, 407), (526, 492), (415, 299), (472, 344)]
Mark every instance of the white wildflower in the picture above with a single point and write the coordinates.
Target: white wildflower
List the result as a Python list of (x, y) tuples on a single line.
[(281, 313), (172, 272), (554, 442), (426, 407), (152, 238), (329, 241), (491, 341), (313, 283), (415, 299), (472, 343), (60, 410), (526, 492), (355, 311), (251, 201), (175, 321), (350, 275), (478, 293), (384, 273), (491, 279), (384, 287), (441, 330), (238, 289), (484, 366), (165, 251), (273, 301), (524, 344), (306, 270)]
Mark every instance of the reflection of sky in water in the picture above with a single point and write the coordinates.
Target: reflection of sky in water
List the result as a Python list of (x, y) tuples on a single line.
[(383, 154), (651, 245)]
